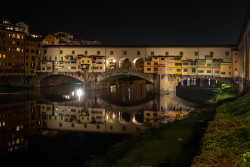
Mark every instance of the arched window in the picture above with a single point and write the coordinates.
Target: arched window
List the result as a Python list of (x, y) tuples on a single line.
[(193, 70)]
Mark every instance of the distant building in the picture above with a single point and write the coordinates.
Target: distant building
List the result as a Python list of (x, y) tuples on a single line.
[(66, 38), (24, 26), (51, 39)]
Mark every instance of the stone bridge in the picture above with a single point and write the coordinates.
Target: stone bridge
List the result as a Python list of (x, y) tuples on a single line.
[(163, 83)]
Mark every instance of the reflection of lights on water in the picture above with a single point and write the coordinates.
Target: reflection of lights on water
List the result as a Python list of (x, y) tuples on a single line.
[(79, 92), (129, 93), (66, 96), (209, 82), (73, 93)]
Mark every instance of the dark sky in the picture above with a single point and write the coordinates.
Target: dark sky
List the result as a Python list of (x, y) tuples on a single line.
[(132, 22)]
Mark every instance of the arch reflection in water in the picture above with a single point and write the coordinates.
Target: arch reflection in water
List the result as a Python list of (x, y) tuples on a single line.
[(55, 109)]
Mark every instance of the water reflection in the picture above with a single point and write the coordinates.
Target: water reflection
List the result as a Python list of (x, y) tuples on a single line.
[(125, 109)]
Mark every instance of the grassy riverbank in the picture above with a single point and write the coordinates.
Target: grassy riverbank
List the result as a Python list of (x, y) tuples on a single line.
[(173, 144), (227, 137)]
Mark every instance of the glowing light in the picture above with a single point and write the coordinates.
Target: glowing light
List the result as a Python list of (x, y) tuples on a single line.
[(79, 92)]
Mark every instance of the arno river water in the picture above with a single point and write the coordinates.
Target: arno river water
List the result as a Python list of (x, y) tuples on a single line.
[(64, 125)]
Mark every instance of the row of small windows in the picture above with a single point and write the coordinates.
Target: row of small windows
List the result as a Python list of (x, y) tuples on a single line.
[(184, 70), (227, 53)]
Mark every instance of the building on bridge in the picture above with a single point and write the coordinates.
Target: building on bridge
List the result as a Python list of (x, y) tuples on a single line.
[(218, 61)]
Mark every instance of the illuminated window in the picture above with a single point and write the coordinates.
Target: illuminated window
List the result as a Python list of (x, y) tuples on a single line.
[(18, 36), (0, 56), (4, 56), (3, 123)]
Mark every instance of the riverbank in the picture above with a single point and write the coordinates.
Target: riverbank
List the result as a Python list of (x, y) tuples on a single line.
[(227, 139), (172, 144)]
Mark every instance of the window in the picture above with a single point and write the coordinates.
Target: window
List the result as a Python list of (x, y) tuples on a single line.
[(45, 51), (177, 64), (223, 73), (209, 71), (170, 69), (148, 69), (160, 69), (73, 67), (152, 53), (171, 58), (193, 64), (227, 53), (196, 53), (124, 52), (178, 70), (155, 69), (193, 70), (181, 53), (209, 64), (162, 58), (177, 58), (200, 71), (185, 70), (211, 53), (148, 63), (166, 53), (61, 51), (217, 72), (73, 52), (111, 53), (170, 64), (98, 52), (235, 69), (185, 63), (138, 53), (86, 52)]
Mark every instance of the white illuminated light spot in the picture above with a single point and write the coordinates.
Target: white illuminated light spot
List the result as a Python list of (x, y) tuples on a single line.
[(79, 92), (73, 93)]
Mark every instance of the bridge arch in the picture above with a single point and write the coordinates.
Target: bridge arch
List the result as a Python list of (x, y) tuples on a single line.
[(229, 81), (112, 63), (58, 79), (138, 63), (125, 63)]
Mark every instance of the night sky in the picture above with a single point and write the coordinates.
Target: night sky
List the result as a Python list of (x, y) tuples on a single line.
[(190, 22)]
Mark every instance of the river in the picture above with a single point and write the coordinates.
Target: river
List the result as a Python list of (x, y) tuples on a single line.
[(64, 125)]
